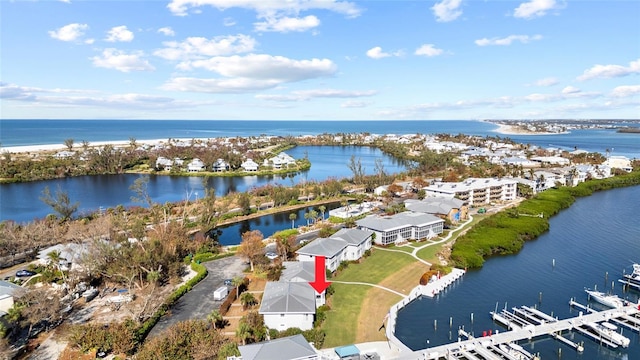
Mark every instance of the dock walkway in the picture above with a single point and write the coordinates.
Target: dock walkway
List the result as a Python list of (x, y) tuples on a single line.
[(524, 333)]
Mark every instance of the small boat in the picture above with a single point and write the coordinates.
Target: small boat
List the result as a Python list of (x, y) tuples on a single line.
[(516, 351), (607, 331), (632, 280), (612, 301)]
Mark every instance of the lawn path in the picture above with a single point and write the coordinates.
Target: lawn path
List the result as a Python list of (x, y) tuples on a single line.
[(369, 284)]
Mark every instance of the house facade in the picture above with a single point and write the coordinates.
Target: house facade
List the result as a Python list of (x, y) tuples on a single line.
[(402, 227), (249, 165), (358, 241), (331, 249), (288, 304)]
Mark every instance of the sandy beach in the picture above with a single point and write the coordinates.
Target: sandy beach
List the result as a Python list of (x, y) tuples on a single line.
[(517, 130), (78, 146)]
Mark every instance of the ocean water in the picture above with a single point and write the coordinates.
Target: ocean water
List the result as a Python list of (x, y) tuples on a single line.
[(42, 132)]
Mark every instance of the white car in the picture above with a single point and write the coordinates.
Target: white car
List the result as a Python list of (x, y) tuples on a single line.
[(271, 255)]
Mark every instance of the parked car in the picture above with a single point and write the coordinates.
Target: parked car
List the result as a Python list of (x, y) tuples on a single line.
[(228, 282), (271, 255), (23, 273)]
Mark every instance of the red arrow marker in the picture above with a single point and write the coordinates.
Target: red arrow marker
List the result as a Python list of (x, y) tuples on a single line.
[(321, 283)]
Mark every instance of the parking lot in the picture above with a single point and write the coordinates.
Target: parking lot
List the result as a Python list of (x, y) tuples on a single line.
[(199, 302)]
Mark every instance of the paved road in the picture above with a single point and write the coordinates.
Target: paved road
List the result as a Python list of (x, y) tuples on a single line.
[(198, 303)]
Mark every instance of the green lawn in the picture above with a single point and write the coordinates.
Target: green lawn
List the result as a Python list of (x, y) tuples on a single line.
[(376, 267), (342, 321)]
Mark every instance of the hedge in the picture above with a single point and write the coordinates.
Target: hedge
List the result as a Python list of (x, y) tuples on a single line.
[(505, 232)]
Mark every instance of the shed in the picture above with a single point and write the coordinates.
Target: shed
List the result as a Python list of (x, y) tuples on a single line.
[(348, 352)]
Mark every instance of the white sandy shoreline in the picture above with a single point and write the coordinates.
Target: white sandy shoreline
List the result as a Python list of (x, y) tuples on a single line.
[(505, 129), (78, 146)]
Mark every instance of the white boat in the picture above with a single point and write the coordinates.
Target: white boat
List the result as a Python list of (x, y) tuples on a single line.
[(608, 331), (516, 351), (612, 301), (633, 279)]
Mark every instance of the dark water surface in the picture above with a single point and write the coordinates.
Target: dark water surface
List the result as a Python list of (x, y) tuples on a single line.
[(592, 242)]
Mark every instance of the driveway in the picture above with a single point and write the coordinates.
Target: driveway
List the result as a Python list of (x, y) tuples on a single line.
[(198, 303)]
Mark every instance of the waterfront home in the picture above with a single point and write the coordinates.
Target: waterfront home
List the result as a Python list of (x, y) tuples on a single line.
[(476, 191), (619, 162), (288, 305), (546, 179), (331, 249), (220, 165), (294, 347), (551, 160), (162, 163), (398, 228), (301, 271), (7, 291), (280, 161), (446, 208), (518, 161), (196, 165), (249, 165)]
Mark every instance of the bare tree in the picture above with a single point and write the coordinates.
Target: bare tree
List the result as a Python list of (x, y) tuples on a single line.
[(252, 246), (69, 143), (61, 203)]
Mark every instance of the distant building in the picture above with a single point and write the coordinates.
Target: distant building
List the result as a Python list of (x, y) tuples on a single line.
[(476, 191), (249, 165), (450, 208)]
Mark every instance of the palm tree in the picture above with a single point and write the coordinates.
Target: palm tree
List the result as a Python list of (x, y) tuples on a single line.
[(247, 300), (307, 216), (237, 281), (243, 332), (322, 209), (215, 317), (55, 257), (293, 217)]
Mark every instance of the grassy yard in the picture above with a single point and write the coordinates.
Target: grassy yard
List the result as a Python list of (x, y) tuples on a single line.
[(358, 310)]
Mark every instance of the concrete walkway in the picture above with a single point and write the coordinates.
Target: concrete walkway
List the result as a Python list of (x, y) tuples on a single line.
[(369, 284)]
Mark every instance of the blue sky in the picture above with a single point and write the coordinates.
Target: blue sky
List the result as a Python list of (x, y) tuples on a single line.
[(319, 59)]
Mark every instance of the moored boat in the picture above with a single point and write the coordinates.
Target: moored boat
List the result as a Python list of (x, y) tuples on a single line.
[(612, 301), (608, 331), (632, 280)]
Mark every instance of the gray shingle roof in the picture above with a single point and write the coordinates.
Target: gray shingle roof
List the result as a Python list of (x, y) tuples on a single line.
[(435, 205), (323, 247), (286, 348), (7, 288), (398, 221), (352, 236), (288, 297), (298, 271)]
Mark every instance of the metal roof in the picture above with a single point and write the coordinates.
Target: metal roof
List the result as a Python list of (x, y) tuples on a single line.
[(286, 348), (288, 297)]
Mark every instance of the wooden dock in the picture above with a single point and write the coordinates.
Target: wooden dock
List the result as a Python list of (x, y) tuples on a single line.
[(532, 324)]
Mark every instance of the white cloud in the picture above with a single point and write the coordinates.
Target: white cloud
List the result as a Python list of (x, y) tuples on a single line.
[(121, 61), (447, 10), (268, 8), (354, 104), (304, 95), (534, 8), (250, 73), (377, 53), (550, 81), (167, 30), (428, 50), (70, 32), (88, 98), (570, 90), (626, 91), (199, 47), (228, 21), (119, 34), (507, 40), (262, 66), (287, 24), (610, 71)]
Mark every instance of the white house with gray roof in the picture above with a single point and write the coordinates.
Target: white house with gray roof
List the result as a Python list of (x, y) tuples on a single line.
[(287, 348), (7, 291), (358, 241), (288, 304), (331, 249), (401, 227), (301, 271)]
